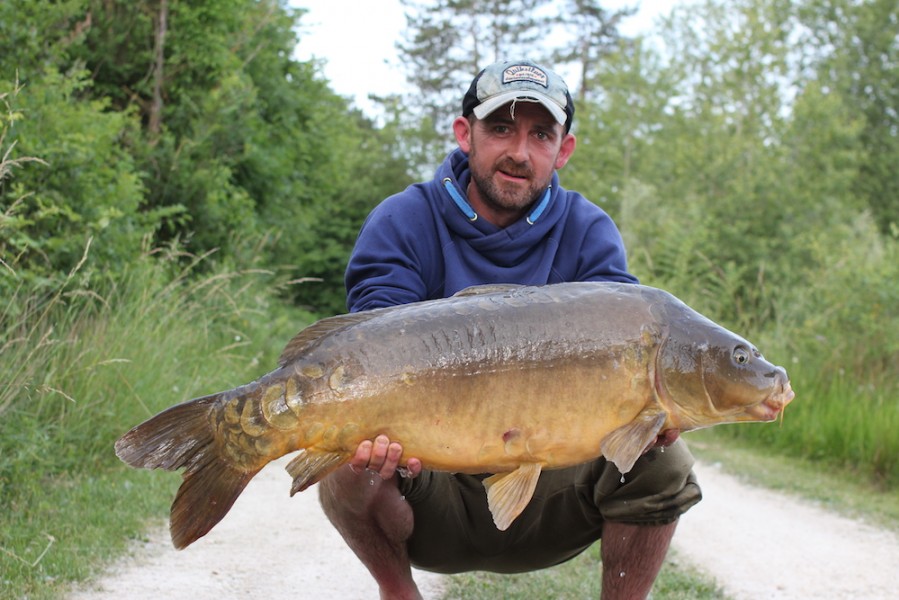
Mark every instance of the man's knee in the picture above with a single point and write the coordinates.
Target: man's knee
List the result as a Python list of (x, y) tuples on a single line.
[(365, 502), (659, 488)]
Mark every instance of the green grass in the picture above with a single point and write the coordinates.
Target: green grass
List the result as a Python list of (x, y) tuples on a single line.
[(79, 369), (579, 578), (846, 490), (837, 422)]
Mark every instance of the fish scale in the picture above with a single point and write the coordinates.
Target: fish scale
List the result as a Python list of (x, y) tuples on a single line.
[(502, 380)]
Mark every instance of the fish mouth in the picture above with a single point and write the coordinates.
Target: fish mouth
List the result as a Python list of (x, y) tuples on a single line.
[(772, 406)]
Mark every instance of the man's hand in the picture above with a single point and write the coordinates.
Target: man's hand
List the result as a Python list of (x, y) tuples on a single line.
[(383, 457)]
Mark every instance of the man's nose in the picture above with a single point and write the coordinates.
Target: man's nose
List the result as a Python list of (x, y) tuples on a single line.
[(518, 148)]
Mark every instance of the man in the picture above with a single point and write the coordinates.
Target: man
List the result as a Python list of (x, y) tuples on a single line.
[(495, 213)]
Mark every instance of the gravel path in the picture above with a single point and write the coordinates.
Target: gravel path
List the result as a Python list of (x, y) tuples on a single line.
[(758, 544), (269, 546), (763, 545)]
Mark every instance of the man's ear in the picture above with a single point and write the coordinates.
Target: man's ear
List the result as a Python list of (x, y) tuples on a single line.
[(568, 144), (462, 129)]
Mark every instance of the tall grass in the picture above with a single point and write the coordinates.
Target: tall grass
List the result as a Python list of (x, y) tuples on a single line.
[(82, 366), (828, 311), (837, 333), (837, 421)]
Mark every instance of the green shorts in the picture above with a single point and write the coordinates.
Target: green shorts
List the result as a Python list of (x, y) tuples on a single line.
[(454, 531)]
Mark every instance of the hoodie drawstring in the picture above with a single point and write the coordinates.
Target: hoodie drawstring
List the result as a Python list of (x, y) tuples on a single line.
[(464, 206), (541, 206), (469, 212)]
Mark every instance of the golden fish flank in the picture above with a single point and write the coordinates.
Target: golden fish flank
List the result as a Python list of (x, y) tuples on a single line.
[(498, 379)]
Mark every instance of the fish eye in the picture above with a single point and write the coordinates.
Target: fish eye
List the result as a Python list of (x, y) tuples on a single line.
[(741, 355)]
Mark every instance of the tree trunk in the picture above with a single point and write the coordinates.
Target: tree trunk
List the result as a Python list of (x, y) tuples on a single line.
[(155, 117)]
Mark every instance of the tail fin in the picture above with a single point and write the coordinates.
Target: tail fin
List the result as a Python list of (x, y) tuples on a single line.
[(183, 437)]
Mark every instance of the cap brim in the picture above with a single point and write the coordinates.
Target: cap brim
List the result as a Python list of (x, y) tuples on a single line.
[(491, 104)]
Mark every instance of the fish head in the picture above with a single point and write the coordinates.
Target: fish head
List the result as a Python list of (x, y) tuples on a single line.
[(707, 375)]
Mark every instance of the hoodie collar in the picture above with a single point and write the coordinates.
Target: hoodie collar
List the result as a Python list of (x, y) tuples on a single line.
[(459, 174)]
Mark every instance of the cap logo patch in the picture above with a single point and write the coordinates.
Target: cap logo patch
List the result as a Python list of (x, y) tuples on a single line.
[(525, 73)]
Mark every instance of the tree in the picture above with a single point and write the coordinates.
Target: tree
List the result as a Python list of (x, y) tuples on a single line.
[(617, 126), (858, 58), (711, 161), (83, 192), (182, 121), (593, 32), (447, 43)]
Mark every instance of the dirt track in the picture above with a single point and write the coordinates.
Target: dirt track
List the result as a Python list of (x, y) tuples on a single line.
[(763, 545), (758, 544)]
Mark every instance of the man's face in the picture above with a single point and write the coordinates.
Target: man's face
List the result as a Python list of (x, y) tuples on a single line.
[(512, 155)]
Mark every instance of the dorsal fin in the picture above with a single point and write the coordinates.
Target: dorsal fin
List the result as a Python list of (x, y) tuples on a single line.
[(302, 341), (490, 288)]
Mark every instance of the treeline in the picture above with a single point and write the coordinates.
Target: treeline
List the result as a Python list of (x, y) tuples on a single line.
[(748, 150), (157, 122)]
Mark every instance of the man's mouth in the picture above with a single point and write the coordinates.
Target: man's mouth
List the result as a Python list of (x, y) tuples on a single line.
[(513, 176), (514, 172)]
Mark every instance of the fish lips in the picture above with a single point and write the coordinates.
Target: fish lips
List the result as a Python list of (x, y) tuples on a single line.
[(772, 406)]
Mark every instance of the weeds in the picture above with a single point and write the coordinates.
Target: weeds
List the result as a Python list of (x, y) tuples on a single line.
[(82, 366)]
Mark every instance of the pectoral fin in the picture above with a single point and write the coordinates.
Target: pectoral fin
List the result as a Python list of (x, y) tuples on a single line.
[(509, 493), (627, 443), (309, 467)]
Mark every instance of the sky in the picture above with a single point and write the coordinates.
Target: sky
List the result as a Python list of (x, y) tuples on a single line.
[(356, 40)]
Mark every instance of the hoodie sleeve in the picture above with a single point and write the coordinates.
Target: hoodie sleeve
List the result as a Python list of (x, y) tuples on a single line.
[(390, 258), (602, 257), (590, 245)]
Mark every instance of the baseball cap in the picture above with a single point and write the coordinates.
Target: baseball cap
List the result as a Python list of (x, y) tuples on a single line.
[(506, 81)]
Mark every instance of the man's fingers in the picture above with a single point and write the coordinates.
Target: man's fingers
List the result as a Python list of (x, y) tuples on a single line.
[(413, 468), (391, 460), (383, 457), (359, 462), (379, 452)]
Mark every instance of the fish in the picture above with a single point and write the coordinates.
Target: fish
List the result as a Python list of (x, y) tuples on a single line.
[(499, 379)]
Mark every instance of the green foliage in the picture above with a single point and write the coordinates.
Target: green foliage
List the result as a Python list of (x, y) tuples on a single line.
[(82, 366), (370, 169), (35, 35), (183, 122), (859, 60), (740, 194), (750, 164), (84, 187), (839, 328)]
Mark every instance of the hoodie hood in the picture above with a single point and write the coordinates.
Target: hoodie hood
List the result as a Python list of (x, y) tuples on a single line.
[(505, 247)]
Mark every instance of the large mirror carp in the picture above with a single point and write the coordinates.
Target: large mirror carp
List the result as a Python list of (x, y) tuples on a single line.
[(507, 380)]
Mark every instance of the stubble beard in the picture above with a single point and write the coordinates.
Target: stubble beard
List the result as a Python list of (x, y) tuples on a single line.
[(506, 198)]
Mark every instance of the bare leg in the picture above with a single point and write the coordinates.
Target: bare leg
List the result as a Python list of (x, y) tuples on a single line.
[(373, 518), (632, 556)]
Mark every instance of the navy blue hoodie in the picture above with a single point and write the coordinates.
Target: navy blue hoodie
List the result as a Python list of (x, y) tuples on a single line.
[(420, 245)]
